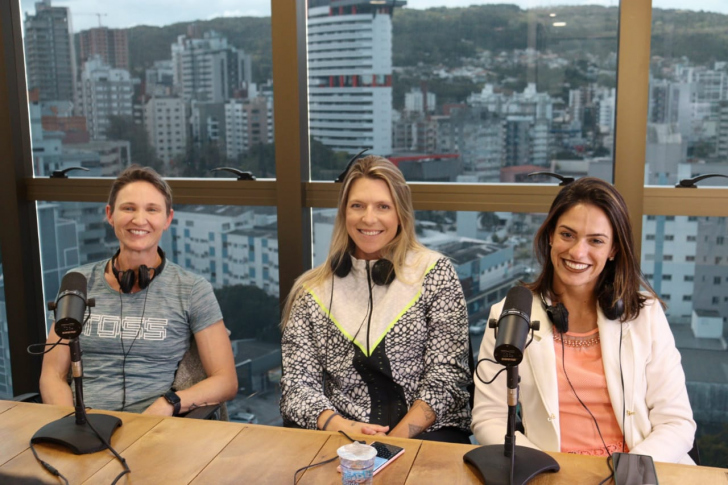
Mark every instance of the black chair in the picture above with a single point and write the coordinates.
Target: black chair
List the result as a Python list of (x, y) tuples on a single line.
[(694, 452)]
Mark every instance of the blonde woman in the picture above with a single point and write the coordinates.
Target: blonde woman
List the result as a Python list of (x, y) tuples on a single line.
[(375, 340)]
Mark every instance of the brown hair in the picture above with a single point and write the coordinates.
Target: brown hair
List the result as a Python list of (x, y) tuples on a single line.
[(623, 273), (135, 173)]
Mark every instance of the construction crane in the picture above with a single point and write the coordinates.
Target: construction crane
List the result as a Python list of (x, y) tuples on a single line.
[(98, 15)]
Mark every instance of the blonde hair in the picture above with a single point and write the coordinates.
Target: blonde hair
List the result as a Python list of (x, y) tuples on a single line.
[(376, 168)]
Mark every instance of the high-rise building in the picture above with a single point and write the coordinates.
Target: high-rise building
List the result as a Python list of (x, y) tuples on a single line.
[(209, 70), (722, 132), (228, 245), (350, 73), (112, 45), (207, 124), (247, 122), (711, 262), (159, 79), (166, 122), (50, 57), (103, 92), (420, 101)]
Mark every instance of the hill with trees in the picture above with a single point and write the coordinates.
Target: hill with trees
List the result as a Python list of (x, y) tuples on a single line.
[(444, 36)]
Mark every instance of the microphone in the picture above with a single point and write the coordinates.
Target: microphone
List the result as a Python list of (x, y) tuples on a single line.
[(510, 463), (82, 433), (70, 306), (513, 326)]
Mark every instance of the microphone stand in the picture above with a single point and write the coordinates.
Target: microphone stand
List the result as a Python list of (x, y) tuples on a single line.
[(510, 464), (82, 433)]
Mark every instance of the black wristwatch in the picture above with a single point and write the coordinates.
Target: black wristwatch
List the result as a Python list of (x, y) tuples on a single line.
[(172, 398)]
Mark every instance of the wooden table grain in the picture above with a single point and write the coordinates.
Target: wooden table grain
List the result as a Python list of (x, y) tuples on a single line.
[(178, 451), (263, 454)]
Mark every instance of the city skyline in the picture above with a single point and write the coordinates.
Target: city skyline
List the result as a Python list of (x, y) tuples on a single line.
[(165, 12)]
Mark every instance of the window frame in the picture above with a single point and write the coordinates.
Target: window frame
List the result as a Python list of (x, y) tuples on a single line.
[(292, 192)]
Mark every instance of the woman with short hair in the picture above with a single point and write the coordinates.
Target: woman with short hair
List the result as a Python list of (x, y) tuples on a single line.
[(147, 310)]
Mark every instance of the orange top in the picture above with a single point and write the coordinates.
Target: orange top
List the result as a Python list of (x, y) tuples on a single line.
[(583, 356)]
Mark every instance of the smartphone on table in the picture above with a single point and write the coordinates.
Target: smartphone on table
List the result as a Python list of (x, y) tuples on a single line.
[(631, 469), (386, 454)]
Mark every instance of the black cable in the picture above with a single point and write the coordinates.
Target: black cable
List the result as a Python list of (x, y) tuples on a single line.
[(610, 459), (326, 342), (54, 345), (353, 339), (477, 365), (371, 305), (121, 339), (50, 468), (563, 366), (54, 471), (113, 451), (621, 378), (611, 475), (494, 377), (295, 474)]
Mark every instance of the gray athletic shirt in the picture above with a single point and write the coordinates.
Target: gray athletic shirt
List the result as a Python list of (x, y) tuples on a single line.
[(156, 325)]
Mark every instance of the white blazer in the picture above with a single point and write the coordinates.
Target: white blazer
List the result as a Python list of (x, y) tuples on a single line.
[(658, 419)]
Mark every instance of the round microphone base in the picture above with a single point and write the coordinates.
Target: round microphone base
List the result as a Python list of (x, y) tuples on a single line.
[(79, 438), (495, 467)]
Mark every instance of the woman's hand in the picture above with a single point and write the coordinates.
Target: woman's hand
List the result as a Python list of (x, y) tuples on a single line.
[(340, 423)]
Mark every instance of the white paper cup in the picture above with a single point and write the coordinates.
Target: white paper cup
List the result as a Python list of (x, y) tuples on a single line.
[(357, 464)]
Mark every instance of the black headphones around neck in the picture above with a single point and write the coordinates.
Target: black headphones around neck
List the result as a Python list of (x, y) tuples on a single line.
[(382, 271), (559, 315), (127, 278)]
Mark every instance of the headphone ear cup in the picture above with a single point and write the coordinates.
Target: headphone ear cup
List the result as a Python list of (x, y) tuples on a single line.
[(383, 272), (341, 265), (144, 278), (559, 316), (126, 280), (613, 311)]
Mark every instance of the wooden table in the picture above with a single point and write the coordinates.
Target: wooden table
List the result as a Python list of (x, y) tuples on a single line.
[(175, 451)]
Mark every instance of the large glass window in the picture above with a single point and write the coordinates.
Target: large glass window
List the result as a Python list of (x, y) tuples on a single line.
[(235, 248), (687, 125), (489, 94), (6, 380), (686, 261), (181, 90)]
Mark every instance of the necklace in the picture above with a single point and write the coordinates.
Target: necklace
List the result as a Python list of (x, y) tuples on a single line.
[(577, 342)]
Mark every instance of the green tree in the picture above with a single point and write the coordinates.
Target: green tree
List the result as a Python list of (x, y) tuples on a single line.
[(714, 446), (142, 153), (488, 221), (249, 312), (260, 159), (198, 161), (325, 163)]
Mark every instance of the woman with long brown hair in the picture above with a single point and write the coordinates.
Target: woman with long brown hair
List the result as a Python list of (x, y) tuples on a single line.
[(602, 374)]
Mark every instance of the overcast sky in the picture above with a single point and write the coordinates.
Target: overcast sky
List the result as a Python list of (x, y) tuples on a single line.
[(127, 13)]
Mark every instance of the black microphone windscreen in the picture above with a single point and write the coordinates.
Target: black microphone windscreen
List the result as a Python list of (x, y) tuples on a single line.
[(73, 282), (519, 298), (70, 306)]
